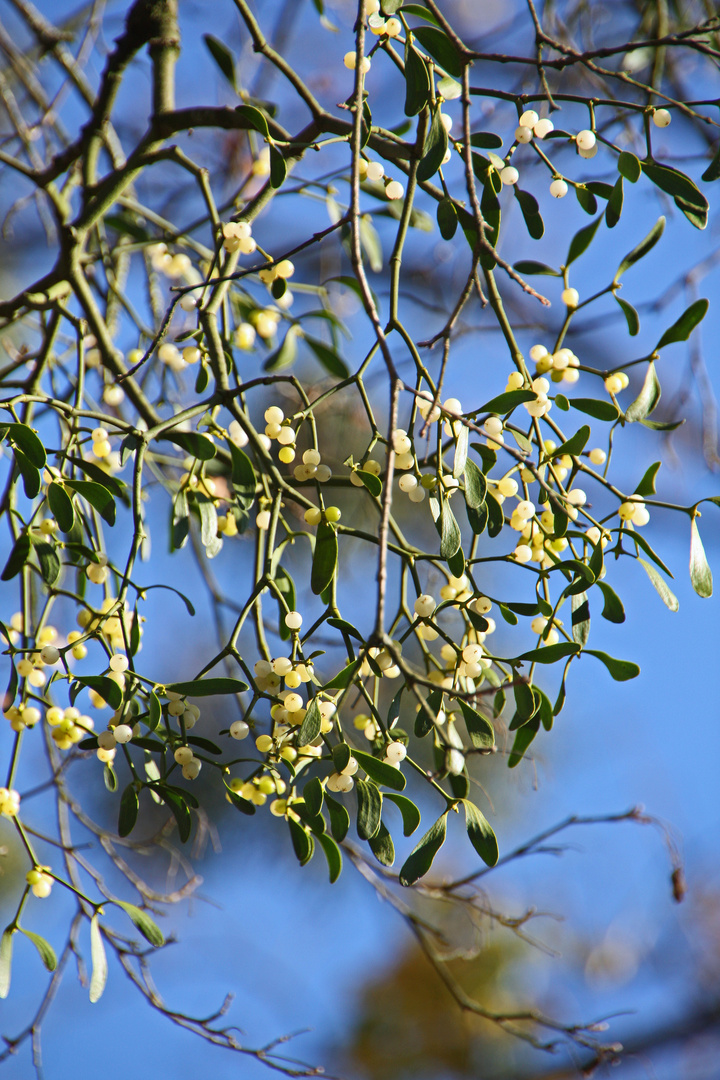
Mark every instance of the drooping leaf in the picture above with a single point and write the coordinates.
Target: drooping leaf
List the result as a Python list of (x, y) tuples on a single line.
[(631, 316), (629, 167), (6, 944), (408, 809), (479, 728), (450, 536), (325, 558), (311, 725), (129, 806), (302, 842), (417, 82), (480, 833), (45, 949), (369, 802), (523, 737), (421, 858), (447, 218), (613, 609), (224, 60), (208, 524), (648, 397), (284, 355), (30, 475), (436, 144), (585, 197), (329, 359), (530, 212), (687, 196), (244, 480), (278, 168), (49, 561), (28, 442), (382, 847), (372, 483), (339, 818), (661, 587), (475, 486), (333, 856), (149, 929), (613, 210), (580, 618), (700, 572), (99, 961), (61, 506), (713, 170)]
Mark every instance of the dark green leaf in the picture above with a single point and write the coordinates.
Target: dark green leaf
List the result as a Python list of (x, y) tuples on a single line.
[(49, 561), (586, 198), (440, 48), (243, 474), (597, 187), (447, 218), (193, 443), (620, 670), (613, 210), (47, 953), (129, 806), (647, 484), (684, 326), (580, 618), (99, 497), (204, 744), (207, 687), (224, 60), (642, 248), (648, 397), (496, 518), (346, 627), (582, 240), (328, 358), (339, 818), (417, 82), (486, 140), (629, 167), (480, 833), (278, 168), (284, 356), (427, 713), (149, 929), (450, 538), (325, 558), (575, 444), (313, 793), (6, 944), (640, 540), (421, 858), (436, 144), (475, 486), (254, 118), (680, 186), (302, 842), (243, 805), (631, 316), (523, 737), (382, 847), (61, 506), (179, 810), (613, 609), (310, 727), (528, 267), (30, 475), (505, 403), (663, 590), (108, 690), (109, 778), (387, 775), (526, 705), (369, 810), (372, 483), (286, 586), (530, 212), (344, 677), (99, 961), (600, 410), (28, 442), (662, 425), (480, 730), (562, 402), (713, 170), (700, 572), (550, 654), (333, 856), (409, 811)]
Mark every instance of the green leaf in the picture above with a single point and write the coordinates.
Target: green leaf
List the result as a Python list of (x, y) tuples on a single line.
[(369, 809), (61, 506), (421, 858), (284, 356), (480, 730), (700, 572), (620, 670), (613, 210), (684, 326), (496, 519), (302, 842), (310, 727), (648, 397), (640, 540), (149, 929), (550, 654), (417, 82), (475, 486), (427, 713), (208, 524), (580, 618), (586, 198), (530, 212), (178, 809), (372, 483), (28, 442), (193, 443), (129, 806), (278, 168), (435, 148), (344, 677), (418, 10), (99, 497), (597, 187), (224, 60), (582, 240), (526, 705), (204, 744), (47, 953), (486, 140), (642, 248), (339, 818), (600, 410), (382, 847), (49, 561), (328, 358), (528, 267), (244, 480), (207, 687), (333, 856), (523, 737), (346, 627), (325, 558), (440, 48), (575, 444), (99, 961), (629, 167), (313, 793), (688, 197), (505, 403), (631, 316), (6, 945), (408, 809), (286, 585), (613, 609), (447, 218), (108, 690), (254, 118), (387, 775), (647, 484), (662, 425), (109, 778), (663, 590), (30, 475), (480, 833), (713, 170), (370, 241), (450, 536)]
